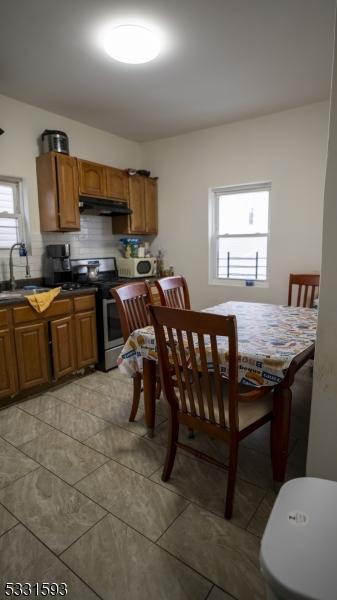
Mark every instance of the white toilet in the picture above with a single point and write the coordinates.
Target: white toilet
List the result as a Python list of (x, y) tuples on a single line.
[(298, 554)]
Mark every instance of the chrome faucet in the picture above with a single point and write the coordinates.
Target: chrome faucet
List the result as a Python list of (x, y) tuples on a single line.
[(23, 252)]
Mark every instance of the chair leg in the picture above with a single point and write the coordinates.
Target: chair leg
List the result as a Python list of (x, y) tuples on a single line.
[(158, 389), (137, 388), (233, 463), (171, 448)]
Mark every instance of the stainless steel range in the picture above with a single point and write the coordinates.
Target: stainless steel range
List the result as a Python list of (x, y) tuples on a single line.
[(103, 274)]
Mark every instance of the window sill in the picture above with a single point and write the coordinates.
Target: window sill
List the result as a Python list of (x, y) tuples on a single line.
[(238, 283)]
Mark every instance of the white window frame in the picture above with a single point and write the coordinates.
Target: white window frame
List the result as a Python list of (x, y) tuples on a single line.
[(213, 232), (19, 213)]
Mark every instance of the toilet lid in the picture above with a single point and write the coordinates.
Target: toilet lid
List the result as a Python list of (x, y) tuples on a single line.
[(298, 553)]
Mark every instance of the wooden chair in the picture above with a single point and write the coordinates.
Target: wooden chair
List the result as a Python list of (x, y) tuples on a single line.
[(173, 292), (198, 395), (308, 284), (132, 300)]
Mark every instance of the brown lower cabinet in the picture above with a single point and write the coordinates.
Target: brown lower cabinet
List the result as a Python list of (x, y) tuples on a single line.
[(8, 378), (31, 343), (63, 346), (37, 349), (86, 340)]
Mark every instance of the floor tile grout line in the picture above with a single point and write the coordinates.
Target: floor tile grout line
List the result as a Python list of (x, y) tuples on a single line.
[(199, 460), (123, 429), (61, 559), (209, 592), (132, 470), (254, 514), (55, 554), (109, 512), (201, 505), (4, 487), (47, 432), (63, 433), (146, 477), (186, 564), (61, 400), (104, 418), (41, 465), (82, 534), (174, 520), (85, 410), (10, 528), (199, 572), (188, 500), (20, 449)]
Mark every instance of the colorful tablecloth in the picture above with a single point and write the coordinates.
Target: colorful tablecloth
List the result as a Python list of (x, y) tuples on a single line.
[(269, 337)]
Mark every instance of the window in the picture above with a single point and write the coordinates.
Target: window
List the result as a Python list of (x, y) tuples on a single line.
[(11, 214), (239, 232)]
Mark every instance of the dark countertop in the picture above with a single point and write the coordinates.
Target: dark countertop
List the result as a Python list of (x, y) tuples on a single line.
[(63, 294)]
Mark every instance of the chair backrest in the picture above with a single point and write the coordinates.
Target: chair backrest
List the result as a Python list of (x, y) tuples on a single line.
[(307, 289), (173, 292), (188, 341), (132, 300)]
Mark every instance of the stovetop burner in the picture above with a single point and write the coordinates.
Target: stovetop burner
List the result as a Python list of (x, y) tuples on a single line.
[(70, 285)]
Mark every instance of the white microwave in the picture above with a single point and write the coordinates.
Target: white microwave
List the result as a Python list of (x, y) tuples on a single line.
[(137, 267)]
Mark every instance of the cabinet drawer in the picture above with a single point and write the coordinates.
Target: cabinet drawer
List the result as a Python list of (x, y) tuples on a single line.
[(22, 314), (82, 303), (3, 317)]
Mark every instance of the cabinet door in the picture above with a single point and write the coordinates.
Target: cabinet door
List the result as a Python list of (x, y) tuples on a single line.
[(32, 354), (8, 375), (92, 178), (117, 184), (67, 183), (137, 204), (86, 338), (63, 346), (151, 205)]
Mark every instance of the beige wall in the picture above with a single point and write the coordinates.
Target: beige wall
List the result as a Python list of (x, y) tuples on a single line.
[(23, 124), (322, 450), (288, 149)]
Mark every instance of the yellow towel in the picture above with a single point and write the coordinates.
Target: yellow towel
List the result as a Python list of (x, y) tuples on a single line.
[(40, 302)]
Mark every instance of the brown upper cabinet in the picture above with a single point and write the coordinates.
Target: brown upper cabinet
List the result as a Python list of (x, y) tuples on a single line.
[(151, 205), (92, 178), (117, 184), (57, 182), (62, 179), (143, 202)]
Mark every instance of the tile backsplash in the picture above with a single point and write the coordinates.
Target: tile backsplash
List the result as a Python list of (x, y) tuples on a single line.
[(93, 240)]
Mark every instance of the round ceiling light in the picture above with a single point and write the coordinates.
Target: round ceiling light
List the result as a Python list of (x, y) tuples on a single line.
[(133, 44)]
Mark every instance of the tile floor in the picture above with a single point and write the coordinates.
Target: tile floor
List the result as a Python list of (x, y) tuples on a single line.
[(82, 502)]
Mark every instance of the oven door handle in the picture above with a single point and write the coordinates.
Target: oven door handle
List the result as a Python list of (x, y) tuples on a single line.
[(105, 320)]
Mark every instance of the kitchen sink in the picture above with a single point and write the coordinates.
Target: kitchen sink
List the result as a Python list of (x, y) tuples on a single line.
[(32, 290), (9, 295), (21, 292)]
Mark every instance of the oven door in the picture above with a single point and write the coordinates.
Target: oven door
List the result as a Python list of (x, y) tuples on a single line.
[(111, 325)]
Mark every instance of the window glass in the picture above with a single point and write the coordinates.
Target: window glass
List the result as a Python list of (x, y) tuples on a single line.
[(242, 258), (11, 222), (243, 212), (7, 203), (239, 240)]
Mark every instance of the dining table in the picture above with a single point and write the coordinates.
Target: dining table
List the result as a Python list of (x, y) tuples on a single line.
[(274, 342)]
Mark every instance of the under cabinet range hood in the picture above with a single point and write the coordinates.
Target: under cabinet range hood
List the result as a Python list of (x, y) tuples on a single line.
[(103, 207)]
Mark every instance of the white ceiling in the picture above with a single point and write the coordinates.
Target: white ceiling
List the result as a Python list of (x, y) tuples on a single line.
[(224, 60)]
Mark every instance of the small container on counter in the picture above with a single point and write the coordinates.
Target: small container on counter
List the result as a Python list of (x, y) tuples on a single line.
[(141, 250)]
